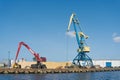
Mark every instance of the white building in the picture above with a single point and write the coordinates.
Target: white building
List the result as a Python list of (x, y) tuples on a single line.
[(107, 63)]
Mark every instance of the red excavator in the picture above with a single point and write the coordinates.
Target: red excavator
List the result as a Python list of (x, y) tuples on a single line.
[(36, 55)]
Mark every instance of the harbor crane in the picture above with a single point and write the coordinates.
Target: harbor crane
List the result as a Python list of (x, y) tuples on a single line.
[(36, 55), (82, 59)]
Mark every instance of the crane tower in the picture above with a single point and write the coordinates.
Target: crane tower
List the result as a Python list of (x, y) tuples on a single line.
[(82, 59)]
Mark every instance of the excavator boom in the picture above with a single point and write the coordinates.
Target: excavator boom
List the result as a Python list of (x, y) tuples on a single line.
[(40, 59)]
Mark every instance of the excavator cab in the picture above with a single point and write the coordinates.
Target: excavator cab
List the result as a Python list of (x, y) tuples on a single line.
[(16, 65)]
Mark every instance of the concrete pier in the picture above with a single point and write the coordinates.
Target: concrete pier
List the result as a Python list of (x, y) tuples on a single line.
[(52, 71)]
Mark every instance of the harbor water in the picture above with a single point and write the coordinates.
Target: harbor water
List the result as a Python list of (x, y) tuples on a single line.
[(112, 75)]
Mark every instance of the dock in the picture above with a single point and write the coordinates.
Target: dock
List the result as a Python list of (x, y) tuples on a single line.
[(52, 71)]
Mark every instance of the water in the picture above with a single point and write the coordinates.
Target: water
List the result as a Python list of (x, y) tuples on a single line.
[(64, 76)]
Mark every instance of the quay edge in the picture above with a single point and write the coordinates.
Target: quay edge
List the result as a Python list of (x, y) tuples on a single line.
[(52, 71)]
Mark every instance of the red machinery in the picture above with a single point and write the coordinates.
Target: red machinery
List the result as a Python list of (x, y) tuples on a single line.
[(36, 55)]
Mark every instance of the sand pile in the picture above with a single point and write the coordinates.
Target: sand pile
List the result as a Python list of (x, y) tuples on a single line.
[(50, 65)]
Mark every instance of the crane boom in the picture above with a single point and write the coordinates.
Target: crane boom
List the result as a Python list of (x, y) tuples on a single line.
[(36, 55), (71, 18)]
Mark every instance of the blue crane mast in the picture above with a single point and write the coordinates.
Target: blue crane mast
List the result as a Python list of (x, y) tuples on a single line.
[(82, 59)]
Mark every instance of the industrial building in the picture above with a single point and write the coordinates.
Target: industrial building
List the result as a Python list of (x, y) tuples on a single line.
[(107, 63)]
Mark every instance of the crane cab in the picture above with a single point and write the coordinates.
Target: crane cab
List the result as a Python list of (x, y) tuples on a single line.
[(86, 49)]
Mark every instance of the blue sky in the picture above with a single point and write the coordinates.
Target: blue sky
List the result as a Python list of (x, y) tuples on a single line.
[(42, 24)]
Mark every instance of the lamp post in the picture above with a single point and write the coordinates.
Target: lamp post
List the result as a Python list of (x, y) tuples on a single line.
[(8, 55), (9, 61)]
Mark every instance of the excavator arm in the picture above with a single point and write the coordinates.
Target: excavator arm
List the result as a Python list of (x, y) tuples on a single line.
[(36, 55), (31, 51)]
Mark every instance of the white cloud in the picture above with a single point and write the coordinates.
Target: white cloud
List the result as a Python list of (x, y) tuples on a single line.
[(116, 38), (71, 34)]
